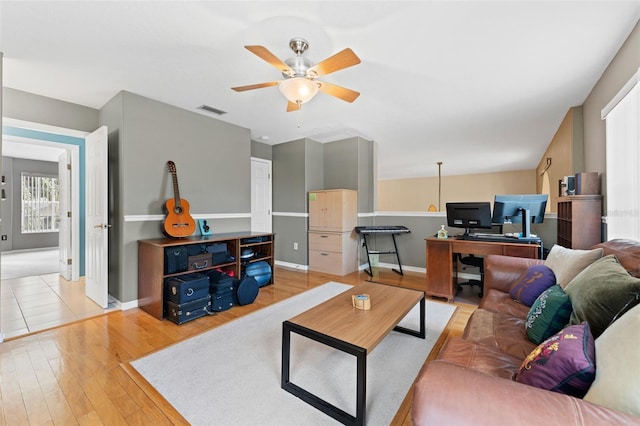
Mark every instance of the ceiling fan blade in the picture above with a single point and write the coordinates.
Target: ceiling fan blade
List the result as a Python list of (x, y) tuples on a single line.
[(292, 107), (270, 58), (255, 86), (339, 92), (341, 60)]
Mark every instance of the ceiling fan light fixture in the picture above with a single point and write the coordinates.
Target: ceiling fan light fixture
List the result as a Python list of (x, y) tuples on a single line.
[(298, 90)]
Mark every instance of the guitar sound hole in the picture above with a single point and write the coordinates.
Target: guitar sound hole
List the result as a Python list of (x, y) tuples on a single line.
[(178, 210)]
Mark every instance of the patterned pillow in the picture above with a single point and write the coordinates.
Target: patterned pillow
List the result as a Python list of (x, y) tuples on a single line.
[(602, 293), (549, 314), (564, 363), (531, 283)]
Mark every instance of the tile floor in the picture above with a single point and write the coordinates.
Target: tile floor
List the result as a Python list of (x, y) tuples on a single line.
[(36, 303)]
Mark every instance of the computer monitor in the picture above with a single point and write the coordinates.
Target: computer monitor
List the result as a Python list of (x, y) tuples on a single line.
[(469, 215), (525, 209)]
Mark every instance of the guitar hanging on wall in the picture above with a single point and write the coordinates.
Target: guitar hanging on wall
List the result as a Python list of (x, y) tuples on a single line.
[(178, 222)]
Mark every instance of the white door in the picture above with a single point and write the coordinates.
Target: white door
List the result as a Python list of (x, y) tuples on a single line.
[(260, 195), (64, 224), (96, 233)]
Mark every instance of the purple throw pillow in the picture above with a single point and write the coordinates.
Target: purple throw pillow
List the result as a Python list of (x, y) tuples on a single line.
[(564, 363), (532, 283)]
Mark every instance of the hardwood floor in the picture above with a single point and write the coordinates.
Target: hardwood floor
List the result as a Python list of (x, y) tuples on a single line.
[(80, 373)]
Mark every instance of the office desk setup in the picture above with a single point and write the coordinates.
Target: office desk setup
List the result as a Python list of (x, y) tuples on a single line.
[(441, 280)]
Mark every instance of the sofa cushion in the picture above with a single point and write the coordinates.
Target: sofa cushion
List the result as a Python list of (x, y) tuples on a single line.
[(531, 283), (567, 263), (563, 363), (499, 330), (601, 293), (549, 314), (626, 251), (448, 394), (479, 357), (618, 365), (499, 301)]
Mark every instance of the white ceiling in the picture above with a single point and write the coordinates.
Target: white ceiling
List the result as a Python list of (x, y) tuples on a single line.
[(481, 86)]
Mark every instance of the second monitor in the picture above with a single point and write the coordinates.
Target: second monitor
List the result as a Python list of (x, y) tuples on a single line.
[(525, 209)]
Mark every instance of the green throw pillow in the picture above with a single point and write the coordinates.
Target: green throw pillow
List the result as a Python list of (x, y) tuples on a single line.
[(602, 293), (549, 314)]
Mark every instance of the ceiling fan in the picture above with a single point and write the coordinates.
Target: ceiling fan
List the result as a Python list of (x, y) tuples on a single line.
[(300, 84)]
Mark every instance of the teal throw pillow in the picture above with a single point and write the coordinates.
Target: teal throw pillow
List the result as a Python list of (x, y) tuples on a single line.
[(602, 293), (549, 314)]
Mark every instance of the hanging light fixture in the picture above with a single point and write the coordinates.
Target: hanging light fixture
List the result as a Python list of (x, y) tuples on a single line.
[(298, 90), (439, 185)]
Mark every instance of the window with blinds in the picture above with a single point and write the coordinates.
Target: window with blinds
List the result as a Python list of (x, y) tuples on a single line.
[(40, 203), (622, 117)]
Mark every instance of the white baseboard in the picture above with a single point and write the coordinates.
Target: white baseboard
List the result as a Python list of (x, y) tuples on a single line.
[(292, 265), (116, 304), (395, 266)]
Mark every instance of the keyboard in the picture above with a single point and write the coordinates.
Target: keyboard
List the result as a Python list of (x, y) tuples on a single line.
[(509, 238)]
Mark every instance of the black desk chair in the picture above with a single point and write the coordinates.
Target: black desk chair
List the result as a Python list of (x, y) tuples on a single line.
[(478, 262)]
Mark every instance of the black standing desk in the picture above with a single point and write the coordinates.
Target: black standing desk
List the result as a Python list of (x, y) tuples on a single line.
[(392, 230)]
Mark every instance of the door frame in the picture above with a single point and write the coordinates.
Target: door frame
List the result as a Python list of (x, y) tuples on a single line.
[(74, 152), (270, 164)]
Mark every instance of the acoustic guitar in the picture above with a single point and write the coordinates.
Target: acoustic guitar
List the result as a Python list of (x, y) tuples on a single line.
[(178, 222)]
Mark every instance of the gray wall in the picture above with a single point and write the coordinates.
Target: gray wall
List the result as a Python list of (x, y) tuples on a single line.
[(213, 161), (624, 64), (261, 150), (11, 207), (40, 109), (412, 246), (306, 165), (29, 107), (290, 183)]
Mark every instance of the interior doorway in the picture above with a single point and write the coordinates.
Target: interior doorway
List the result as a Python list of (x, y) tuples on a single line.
[(261, 195), (35, 158), (52, 299)]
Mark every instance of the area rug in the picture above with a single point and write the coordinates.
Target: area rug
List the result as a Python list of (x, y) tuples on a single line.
[(231, 374)]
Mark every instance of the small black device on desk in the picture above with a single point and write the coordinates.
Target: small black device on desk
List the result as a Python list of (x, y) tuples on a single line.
[(392, 230)]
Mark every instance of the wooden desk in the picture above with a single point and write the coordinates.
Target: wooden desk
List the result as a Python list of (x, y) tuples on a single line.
[(440, 254)]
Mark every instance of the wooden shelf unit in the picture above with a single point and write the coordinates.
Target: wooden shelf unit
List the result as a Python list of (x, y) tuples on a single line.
[(152, 270), (579, 221)]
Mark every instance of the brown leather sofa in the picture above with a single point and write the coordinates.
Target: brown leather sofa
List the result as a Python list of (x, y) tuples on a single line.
[(472, 380)]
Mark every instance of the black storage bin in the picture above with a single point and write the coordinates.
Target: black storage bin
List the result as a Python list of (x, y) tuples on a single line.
[(181, 313), (219, 253), (176, 259), (222, 302), (185, 288), (222, 290), (195, 249)]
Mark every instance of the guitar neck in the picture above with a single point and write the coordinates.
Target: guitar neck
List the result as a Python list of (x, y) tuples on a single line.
[(176, 190)]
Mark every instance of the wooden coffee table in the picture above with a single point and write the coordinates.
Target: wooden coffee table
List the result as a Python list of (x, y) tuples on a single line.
[(337, 324)]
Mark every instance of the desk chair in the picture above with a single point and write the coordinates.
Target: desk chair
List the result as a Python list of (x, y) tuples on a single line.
[(478, 262)]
